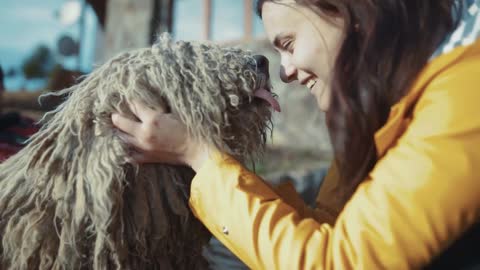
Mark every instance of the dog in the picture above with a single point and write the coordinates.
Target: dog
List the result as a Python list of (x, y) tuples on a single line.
[(71, 199)]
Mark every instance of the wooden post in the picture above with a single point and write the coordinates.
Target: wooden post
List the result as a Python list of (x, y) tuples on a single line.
[(248, 19), (127, 26), (134, 24), (207, 19), (162, 18)]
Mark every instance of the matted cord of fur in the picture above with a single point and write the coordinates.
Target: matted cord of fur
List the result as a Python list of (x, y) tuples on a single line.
[(71, 199)]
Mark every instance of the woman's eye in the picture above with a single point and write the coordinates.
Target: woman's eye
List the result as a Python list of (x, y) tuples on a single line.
[(288, 46)]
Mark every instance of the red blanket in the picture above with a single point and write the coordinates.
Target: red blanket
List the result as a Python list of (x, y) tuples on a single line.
[(14, 131)]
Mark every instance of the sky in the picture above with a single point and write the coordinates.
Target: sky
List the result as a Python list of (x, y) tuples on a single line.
[(25, 24)]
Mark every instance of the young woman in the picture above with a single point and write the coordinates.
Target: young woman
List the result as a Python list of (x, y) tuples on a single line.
[(399, 83)]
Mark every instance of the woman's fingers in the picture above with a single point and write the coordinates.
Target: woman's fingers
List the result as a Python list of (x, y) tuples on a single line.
[(135, 157), (128, 139), (136, 150), (155, 136), (126, 125), (142, 111)]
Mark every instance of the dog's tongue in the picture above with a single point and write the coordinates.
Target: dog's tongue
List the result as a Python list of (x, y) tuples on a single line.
[(268, 97)]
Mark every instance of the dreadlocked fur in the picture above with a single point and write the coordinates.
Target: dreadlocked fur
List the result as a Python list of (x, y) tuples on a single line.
[(71, 199)]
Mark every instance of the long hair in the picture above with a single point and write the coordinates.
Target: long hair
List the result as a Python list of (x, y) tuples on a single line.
[(386, 45)]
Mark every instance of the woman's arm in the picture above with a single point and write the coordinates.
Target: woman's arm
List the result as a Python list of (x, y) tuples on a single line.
[(420, 197)]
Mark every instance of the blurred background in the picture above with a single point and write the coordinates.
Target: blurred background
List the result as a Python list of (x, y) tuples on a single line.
[(46, 44), (39, 37)]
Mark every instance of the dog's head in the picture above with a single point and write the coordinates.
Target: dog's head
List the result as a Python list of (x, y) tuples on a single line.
[(223, 95)]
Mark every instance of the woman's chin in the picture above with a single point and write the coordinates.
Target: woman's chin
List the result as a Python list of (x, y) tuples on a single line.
[(322, 99), (322, 105)]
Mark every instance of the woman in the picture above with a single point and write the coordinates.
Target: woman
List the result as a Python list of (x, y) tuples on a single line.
[(398, 82)]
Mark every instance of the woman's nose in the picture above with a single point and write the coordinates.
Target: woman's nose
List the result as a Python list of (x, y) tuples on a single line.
[(288, 73), (262, 63)]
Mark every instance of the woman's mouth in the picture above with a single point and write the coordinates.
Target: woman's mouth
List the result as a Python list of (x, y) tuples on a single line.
[(311, 83)]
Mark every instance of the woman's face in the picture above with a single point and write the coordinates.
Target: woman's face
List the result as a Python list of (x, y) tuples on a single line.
[(308, 44)]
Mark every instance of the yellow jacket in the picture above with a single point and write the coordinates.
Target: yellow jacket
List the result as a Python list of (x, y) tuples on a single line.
[(423, 193)]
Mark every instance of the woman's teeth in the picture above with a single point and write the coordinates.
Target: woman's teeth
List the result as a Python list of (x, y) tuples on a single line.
[(311, 84)]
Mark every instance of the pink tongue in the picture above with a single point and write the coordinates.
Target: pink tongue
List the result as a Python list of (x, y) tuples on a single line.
[(267, 96)]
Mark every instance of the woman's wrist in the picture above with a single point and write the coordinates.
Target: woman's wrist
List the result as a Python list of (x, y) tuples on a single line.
[(198, 156)]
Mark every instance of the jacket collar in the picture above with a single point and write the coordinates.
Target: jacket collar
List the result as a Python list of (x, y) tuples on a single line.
[(399, 117)]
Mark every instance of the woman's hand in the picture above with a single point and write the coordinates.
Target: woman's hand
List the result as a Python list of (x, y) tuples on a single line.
[(159, 138)]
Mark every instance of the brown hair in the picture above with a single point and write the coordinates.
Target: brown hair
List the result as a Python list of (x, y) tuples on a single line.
[(386, 45)]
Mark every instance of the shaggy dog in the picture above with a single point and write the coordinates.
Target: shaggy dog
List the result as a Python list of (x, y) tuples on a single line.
[(71, 199)]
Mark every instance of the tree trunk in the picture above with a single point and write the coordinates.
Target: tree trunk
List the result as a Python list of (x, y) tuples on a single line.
[(135, 24), (162, 18), (207, 19), (127, 25)]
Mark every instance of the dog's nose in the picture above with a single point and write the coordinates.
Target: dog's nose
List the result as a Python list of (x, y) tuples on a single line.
[(262, 63)]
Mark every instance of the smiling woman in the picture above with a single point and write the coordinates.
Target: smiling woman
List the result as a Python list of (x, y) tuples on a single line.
[(293, 40), (355, 63)]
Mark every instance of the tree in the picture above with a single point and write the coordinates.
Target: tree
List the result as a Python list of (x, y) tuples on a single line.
[(39, 64), (12, 72)]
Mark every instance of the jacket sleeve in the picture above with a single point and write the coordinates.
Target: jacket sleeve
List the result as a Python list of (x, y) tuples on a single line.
[(421, 196)]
